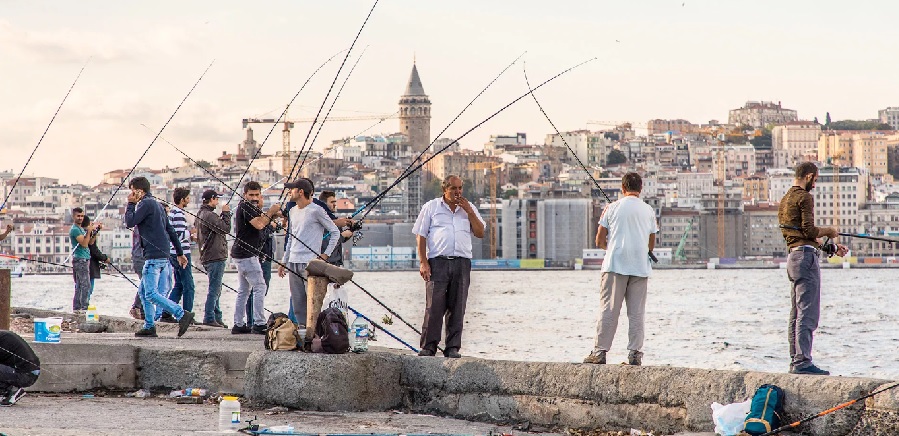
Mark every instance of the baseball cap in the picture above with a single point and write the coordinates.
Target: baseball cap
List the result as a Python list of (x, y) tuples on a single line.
[(209, 194), (303, 184)]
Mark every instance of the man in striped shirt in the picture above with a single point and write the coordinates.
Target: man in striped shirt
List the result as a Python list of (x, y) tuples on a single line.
[(184, 279)]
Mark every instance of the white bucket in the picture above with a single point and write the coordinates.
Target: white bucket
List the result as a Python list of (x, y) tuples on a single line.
[(47, 330)]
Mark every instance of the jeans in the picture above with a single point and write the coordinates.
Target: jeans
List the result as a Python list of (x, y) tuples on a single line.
[(184, 283), (250, 282), (9, 377), (138, 266), (805, 308), (297, 292), (154, 285), (212, 310), (82, 283), (266, 266)]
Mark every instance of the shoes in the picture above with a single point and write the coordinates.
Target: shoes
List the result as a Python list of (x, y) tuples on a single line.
[(426, 352), (136, 313), (222, 323), (146, 333), (13, 395), (259, 329), (186, 320), (214, 324), (452, 353), (241, 330), (809, 370), (635, 358), (167, 317), (596, 357)]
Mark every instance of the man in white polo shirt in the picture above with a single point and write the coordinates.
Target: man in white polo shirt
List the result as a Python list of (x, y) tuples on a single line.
[(626, 231), (443, 231)]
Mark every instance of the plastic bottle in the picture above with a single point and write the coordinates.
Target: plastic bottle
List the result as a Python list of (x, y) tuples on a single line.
[(91, 314), (229, 415), (360, 332), (189, 392)]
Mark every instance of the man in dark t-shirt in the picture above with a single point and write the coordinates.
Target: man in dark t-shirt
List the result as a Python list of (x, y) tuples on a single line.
[(19, 367)]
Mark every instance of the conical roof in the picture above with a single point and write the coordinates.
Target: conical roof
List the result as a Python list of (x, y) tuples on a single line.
[(414, 86)]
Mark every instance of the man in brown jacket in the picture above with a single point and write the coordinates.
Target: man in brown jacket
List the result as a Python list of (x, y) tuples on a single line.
[(211, 231), (797, 222)]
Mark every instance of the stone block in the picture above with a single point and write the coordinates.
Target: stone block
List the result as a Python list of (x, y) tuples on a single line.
[(79, 367)]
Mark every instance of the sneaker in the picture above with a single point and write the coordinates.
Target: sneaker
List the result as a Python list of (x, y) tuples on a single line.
[(426, 352), (213, 324), (259, 329), (635, 358), (222, 323), (147, 333), (167, 317), (241, 330), (809, 370), (186, 320), (13, 395), (452, 353), (596, 357), (136, 313)]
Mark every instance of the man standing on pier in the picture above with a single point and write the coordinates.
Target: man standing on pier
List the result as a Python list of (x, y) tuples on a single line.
[(211, 231), (443, 231), (81, 238), (184, 278), (626, 231), (797, 223)]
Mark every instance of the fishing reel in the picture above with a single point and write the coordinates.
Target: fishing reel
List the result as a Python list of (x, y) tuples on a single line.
[(355, 226), (828, 247)]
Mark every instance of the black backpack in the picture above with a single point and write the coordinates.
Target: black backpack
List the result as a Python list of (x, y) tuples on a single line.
[(767, 410), (331, 332)]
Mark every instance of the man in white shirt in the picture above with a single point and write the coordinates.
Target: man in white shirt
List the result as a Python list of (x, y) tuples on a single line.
[(626, 231), (443, 231), (308, 223)]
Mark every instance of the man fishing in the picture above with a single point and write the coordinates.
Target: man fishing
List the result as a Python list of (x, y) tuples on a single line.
[(797, 223), (19, 367)]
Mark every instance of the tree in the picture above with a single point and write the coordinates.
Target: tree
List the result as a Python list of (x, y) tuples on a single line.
[(816, 120), (203, 164), (616, 157), (510, 193), (762, 141), (827, 120), (431, 190)]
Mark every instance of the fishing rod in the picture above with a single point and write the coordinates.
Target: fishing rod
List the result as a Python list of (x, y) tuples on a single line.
[(39, 141), (850, 235), (19, 258), (383, 329), (828, 411), (456, 141), (280, 117), (331, 88), (373, 202), (584, 167)]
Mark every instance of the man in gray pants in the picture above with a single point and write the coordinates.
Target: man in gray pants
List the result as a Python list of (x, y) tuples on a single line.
[(797, 222)]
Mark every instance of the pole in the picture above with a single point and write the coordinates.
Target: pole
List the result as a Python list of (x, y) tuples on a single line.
[(5, 293)]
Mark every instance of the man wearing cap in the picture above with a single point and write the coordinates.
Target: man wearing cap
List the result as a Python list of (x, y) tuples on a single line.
[(308, 223), (211, 231)]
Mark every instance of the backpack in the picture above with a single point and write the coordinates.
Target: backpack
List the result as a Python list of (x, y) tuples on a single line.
[(281, 333), (766, 411), (331, 332)]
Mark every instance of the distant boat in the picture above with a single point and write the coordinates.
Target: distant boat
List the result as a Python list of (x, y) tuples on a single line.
[(16, 269)]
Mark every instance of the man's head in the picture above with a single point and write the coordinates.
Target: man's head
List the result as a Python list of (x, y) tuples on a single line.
[(452, 188), (181, 196), (210, 198), (86, 221), (252, 192), (806, 175), (631, 183), (140, 186), (78, 215), (329, 198), (300, 191)]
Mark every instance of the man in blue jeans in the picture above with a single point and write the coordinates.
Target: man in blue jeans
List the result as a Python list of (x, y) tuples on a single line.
[(184, 278), (211, 231), (156, 233)]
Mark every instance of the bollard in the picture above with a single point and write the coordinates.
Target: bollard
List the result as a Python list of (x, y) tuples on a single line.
[(5, 295), (316, 287)]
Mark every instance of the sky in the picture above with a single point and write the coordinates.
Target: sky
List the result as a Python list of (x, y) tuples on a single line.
[(653, 59)]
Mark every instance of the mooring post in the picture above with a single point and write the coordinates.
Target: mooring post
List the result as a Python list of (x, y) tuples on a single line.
[(5, 295)]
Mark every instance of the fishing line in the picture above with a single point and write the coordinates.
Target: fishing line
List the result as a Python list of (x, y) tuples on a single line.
[(25, 259), (3, 205)]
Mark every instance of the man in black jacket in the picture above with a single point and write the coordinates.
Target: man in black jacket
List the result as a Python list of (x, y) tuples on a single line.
[(211, 231), (19, 367)]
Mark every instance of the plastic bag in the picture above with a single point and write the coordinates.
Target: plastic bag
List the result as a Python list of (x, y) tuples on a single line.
[(336, 296), (729, 419)]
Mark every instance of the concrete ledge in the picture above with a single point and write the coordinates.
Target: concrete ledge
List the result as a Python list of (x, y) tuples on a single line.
[(76, 367), (218, 371)]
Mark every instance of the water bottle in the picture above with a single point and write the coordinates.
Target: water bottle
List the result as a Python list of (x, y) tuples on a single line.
[(91, 314), (360, 333), (229, 415)]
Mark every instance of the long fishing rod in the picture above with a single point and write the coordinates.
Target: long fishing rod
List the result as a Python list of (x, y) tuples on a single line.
[(19, 258), (850, 235), (382, 328), (280, 117), (456, 141), (651, 255), (373, 202), (331, 88), (39, 141), (828, 411)]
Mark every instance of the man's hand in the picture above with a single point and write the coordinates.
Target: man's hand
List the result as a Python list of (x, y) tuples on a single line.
[(99, 226), (842, 250), (182, 260), (282, 271), (323, 257), (464, 204), (830, 232), (133, 198), (90, 228), (274, 210), (347, 233), (343, 222), (425, 270), (226, 208), (9, 228)]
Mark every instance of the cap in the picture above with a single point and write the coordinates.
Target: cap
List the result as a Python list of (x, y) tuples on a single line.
[(303, 184), (209, 194)]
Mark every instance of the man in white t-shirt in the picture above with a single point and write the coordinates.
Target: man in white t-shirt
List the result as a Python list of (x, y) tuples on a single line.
[(627, 232)]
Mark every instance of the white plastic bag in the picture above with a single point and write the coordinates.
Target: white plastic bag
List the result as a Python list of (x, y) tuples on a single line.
[(336, 296), (730, 419)]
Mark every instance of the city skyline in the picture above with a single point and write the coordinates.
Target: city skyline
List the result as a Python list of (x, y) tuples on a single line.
[(659, 59)]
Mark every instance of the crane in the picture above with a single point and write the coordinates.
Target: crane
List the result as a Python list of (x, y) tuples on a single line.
[(722, 175), (288, 124), (492, 167)]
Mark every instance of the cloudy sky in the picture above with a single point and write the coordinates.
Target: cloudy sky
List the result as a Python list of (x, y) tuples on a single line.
[(655, 59)]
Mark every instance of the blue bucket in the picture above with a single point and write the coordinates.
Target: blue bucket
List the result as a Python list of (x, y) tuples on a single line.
[(47, 330)]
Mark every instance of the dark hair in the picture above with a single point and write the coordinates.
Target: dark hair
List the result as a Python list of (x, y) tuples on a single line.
[(632, 182), (252, 186), (805, 169), (180, 194), (140, 183), (325, 195), (86, 221), (311, 183), (447, 181), (77, 210)]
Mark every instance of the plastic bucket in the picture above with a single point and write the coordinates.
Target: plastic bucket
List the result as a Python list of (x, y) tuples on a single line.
[(47, 330)]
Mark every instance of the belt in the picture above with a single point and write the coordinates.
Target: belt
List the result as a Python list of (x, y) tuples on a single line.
[(450, 257), (804, 248)]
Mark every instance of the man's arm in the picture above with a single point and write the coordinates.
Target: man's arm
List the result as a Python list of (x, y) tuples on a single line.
[(477, 224), (7, 232), (333, 232), (602, 237), (807, 224), (173, 238), (266, 217), (425, 267), (652, 241)]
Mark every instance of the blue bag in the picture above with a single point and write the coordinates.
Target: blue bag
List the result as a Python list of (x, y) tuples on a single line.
[(767, 410)]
